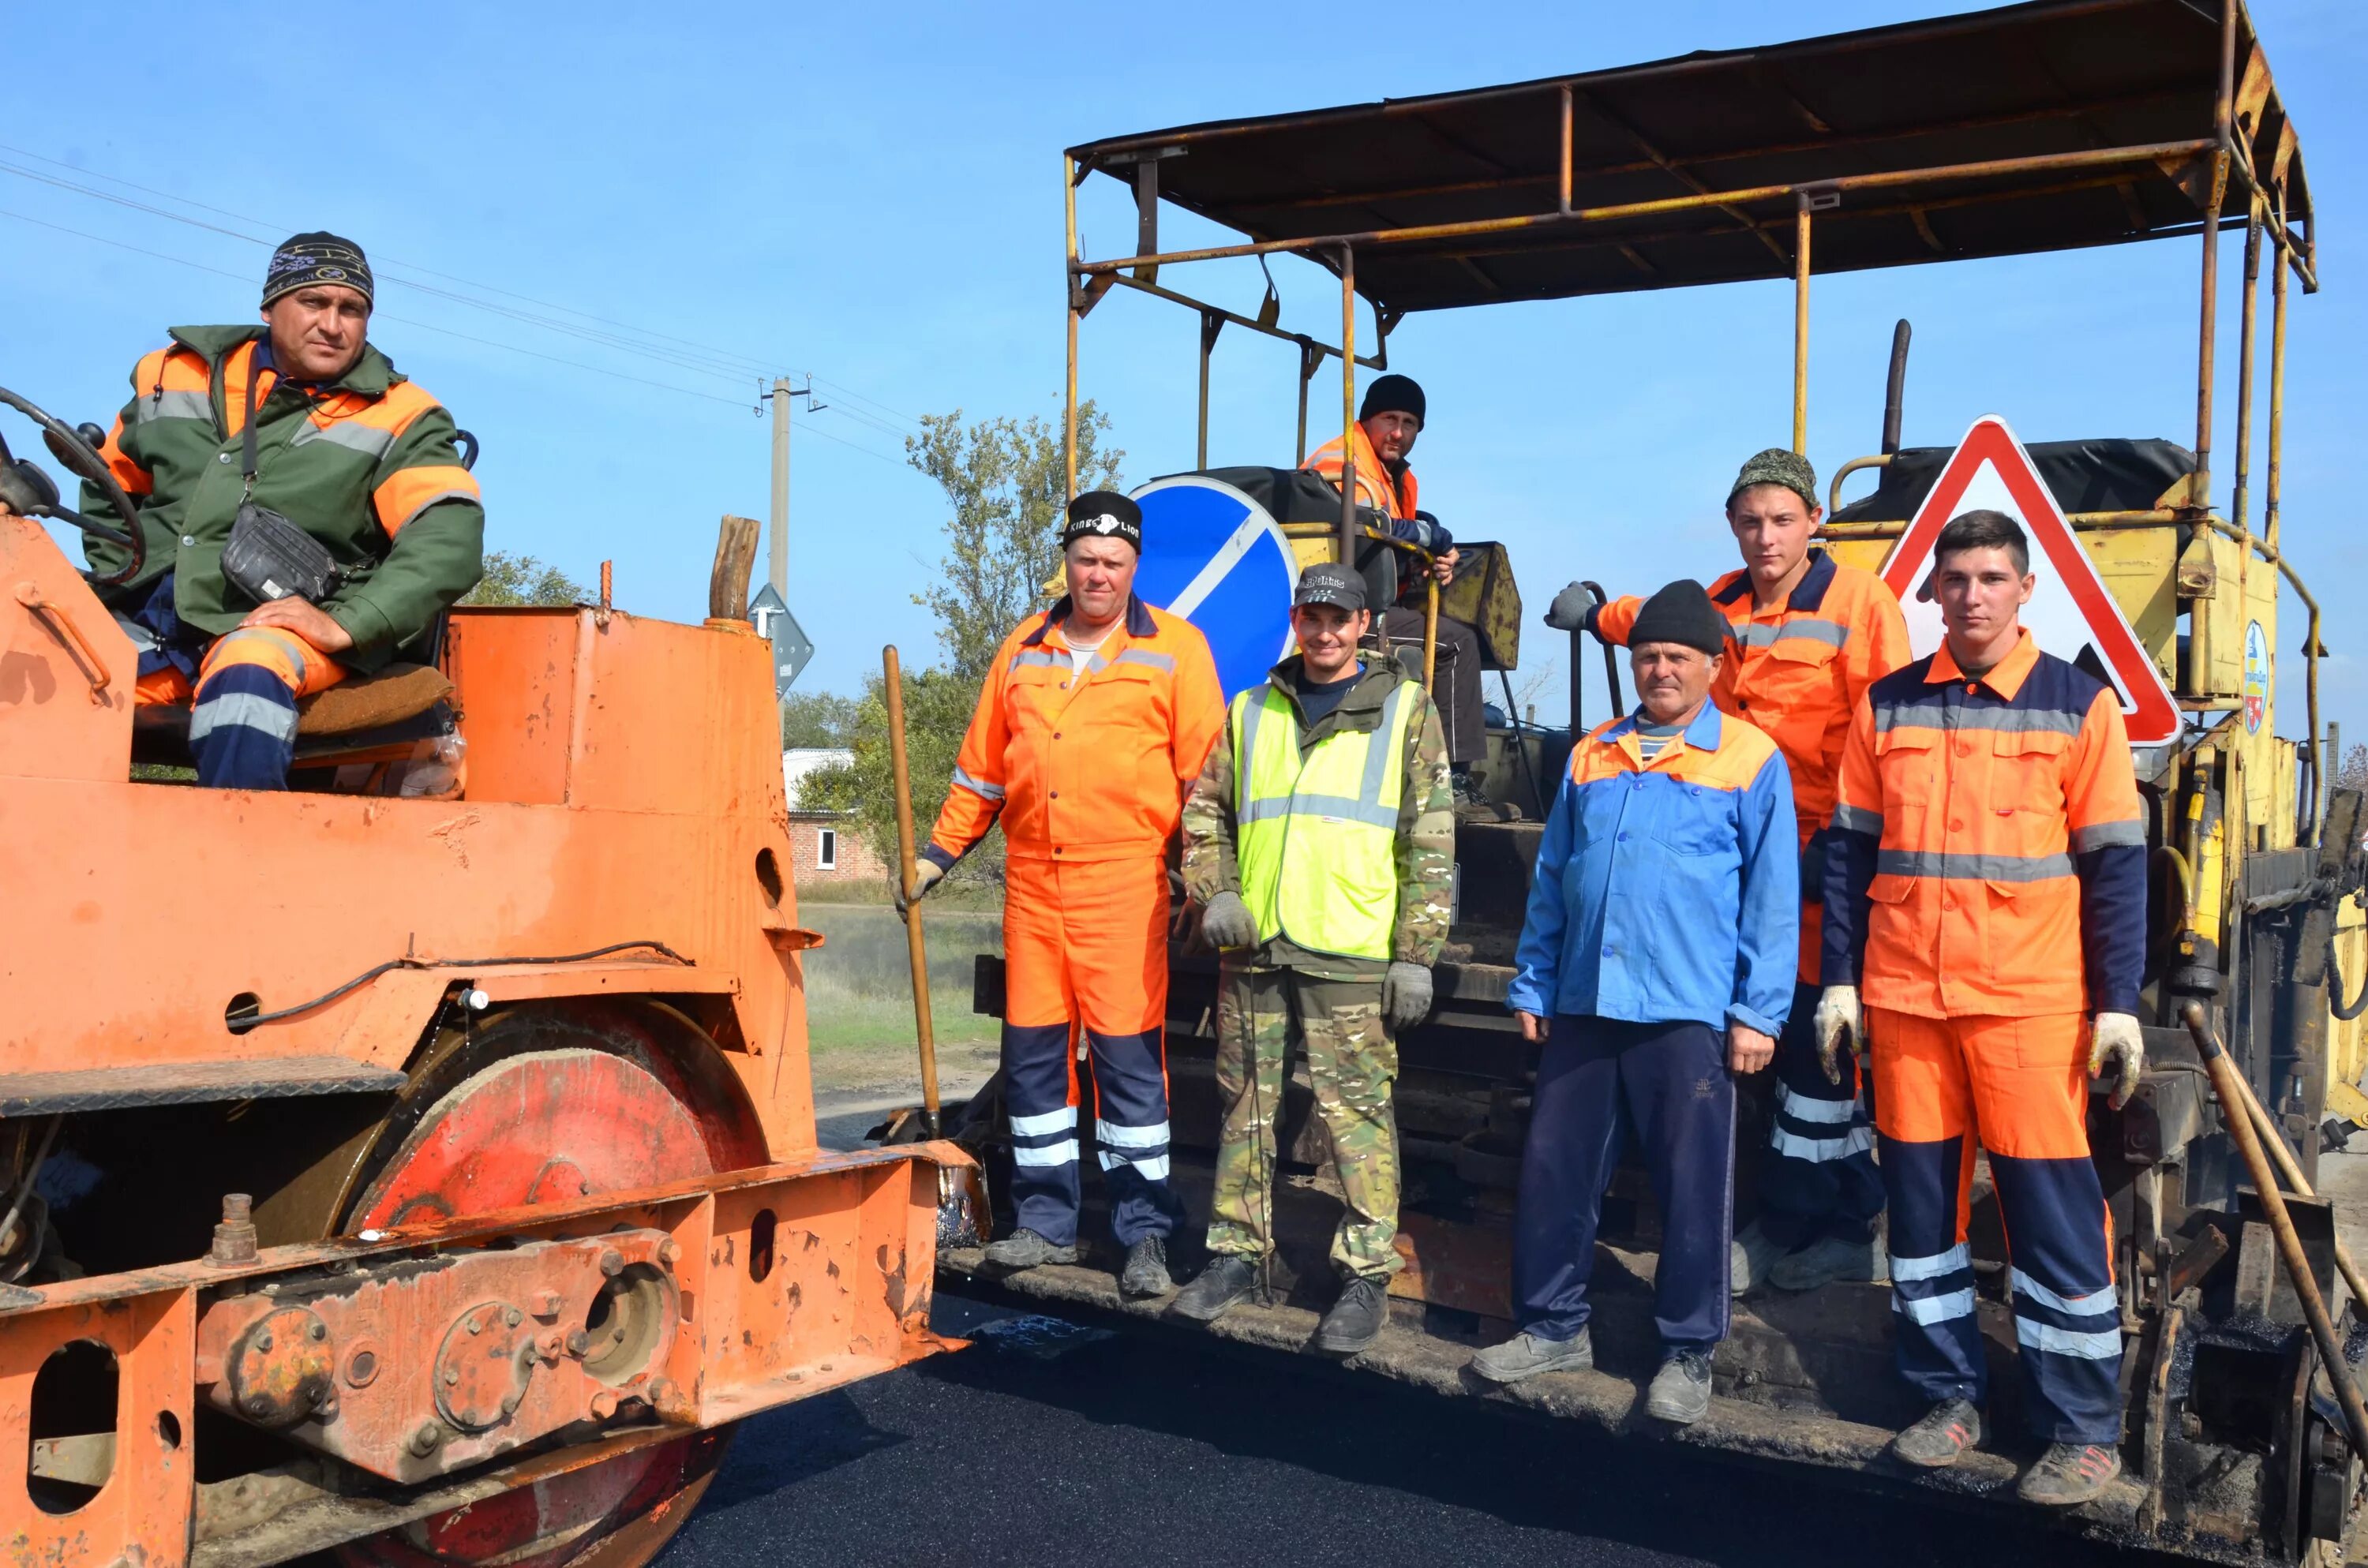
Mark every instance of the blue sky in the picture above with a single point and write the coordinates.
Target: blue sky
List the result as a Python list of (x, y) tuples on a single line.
[(870, 194)]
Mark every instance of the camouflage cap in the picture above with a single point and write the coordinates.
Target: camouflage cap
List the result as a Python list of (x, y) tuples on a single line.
[(1778, 466)]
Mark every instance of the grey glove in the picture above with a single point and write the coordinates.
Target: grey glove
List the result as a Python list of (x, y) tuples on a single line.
[(1573, 610), (926, 874), (1405, 994), (1227, 924)]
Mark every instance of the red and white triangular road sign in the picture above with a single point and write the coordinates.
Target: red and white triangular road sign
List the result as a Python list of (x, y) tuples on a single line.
[(2071, 614)]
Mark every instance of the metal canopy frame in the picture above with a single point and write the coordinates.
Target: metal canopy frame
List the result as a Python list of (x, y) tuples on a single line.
[(1672, 215)]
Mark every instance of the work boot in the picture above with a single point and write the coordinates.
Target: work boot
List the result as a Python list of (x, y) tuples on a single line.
[(1471, 801), (1224, 1283), (1948, 1429), (1526, 1355), (1146, 1273), (2070, 1474), (1681, 1391), (1827, 1259), (1355, 1319), (1023, 1248), (1753, 1253)]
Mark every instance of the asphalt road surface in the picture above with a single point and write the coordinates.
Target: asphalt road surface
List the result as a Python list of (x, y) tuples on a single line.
[(1048, 1445)]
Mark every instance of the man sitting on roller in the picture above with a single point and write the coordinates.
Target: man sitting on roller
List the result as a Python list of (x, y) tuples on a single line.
[(1387, 423), (341, 446)]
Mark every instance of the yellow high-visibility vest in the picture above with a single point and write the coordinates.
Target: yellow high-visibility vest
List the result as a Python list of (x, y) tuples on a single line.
[(1316, 841)]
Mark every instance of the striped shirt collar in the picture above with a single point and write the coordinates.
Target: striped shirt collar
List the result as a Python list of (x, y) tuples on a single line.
[(1808, 595), (2005, 677), (1702, 732)]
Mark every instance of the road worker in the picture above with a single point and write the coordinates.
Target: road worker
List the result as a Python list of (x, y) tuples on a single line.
[(1321, 840), (1655, 965), (345, 448), (1096, 717), (1985, 926), (1388, 420), (1805, 637)]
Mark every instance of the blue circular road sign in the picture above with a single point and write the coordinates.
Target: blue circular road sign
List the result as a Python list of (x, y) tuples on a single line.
[(1216, 557)]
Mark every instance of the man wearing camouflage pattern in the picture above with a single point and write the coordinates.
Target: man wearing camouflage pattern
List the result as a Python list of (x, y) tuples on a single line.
[(1320, 837)]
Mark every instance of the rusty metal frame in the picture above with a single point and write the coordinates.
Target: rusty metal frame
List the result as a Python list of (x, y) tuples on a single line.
[(2223, 155), (746, 1339)]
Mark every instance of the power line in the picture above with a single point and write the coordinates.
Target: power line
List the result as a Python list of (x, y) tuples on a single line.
[(702, 360), (706, 350), (512, 348), (851, 392)]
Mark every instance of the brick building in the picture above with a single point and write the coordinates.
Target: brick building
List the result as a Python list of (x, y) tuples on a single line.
[(824, 845)]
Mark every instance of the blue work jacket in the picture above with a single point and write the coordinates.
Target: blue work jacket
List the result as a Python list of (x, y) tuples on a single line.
[(1667, 890)]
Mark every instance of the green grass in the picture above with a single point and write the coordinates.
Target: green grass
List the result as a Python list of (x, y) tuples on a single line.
[(838, 1020), (961, 894)]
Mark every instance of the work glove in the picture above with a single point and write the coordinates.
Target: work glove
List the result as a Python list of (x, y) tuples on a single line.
[(1837, 1020), (2114, 1038), (1405, 994), (1227, 924), (1573, 610), (926, 874)]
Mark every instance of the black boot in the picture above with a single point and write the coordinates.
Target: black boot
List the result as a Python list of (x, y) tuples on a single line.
[(1355, 1319), (1146, 1273), (1226, 1281)]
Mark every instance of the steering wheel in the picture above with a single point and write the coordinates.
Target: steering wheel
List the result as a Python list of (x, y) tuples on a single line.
[(27, 490)]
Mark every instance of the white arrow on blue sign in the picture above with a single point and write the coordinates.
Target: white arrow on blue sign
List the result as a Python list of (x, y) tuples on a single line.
[(1216, 557), (791, 646)]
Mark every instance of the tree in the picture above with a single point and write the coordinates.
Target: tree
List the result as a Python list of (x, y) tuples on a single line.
[(523, 580), (937, 706), (2353, 774), (818, 718), (1009, 483)]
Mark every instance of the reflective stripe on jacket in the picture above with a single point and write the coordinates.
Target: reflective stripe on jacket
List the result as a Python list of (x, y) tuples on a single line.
[(368, 466), (1089, 766), (1316, 832), (1668, 890), (1989, 849), (1374, 486)]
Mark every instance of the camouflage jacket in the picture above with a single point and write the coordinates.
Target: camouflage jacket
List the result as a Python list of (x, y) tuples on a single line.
[(1425, 837)]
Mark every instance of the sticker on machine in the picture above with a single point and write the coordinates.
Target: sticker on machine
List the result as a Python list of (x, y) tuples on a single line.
[(2071, 614), (2257, 677)]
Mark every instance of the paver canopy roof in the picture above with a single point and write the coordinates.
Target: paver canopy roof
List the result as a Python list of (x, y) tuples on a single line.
[(2051, 77)]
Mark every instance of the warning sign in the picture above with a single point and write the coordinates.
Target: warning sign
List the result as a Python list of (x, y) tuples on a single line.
[(2071, 614)]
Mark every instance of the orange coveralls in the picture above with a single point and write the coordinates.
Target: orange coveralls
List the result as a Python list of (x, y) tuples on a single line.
[(1798, 670), (1087, 771), (1986, 890)]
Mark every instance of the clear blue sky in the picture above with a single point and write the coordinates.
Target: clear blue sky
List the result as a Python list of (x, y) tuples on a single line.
[(870, 193)]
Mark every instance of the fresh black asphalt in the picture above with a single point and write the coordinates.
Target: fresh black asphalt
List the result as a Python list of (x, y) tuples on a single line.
[(1046, 1445)]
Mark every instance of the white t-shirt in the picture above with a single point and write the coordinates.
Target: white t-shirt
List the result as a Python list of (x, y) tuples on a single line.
[(1081, 653)]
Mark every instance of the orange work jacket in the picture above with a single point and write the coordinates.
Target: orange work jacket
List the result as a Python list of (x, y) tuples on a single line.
[(1374, 486), (1085, 766), (1989, 849)]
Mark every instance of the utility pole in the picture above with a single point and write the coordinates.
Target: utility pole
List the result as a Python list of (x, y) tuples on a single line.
[(781, 572), (779, 398)]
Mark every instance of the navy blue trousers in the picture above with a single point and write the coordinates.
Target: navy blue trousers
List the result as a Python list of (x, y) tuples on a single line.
[(1599, 1081), (1819, 1178), (1039, 1088)]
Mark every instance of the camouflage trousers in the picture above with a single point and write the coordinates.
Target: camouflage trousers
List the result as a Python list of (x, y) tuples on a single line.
[(1351, 1062)]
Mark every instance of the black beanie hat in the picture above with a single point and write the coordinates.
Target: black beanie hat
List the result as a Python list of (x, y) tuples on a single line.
[(1394, 394), (1103, 513), (1681, 613), (317, 258)]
